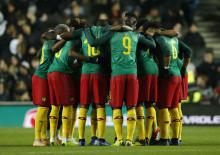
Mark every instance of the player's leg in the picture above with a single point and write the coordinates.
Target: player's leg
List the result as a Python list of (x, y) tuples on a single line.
[(54, 116), (85, 100), (140, 111), (150, 106), (131, 102), (72, 126), (44, 136), (165, 94), (93, 127), (74, 112), (174, 113), (181, 122), (140, 124), (40, 95), (117, 87), (100, 92)]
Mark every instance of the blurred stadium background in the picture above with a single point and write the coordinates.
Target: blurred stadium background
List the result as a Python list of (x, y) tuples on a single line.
[(23, 21)]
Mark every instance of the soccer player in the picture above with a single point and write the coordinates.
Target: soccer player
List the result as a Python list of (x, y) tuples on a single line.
[(147, 77), (62, 91), (169, 85), (94, 87), (124, 83), (40, 93)]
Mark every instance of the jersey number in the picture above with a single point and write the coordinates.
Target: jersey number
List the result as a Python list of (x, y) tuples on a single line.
[(175, 53), (126, 42), (42, 56), (57, 55), (92, 51)]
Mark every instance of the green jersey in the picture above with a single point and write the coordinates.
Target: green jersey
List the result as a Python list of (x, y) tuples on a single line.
[(61, 61), (88, 50), (168, 46), (146, 64), (45, 60), (123, 46)]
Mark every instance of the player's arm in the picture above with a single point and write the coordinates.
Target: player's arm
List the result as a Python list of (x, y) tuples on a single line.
[(169, 33), (78, 56), (65, 36), (93, 41), (57, 46), (147, 41), (187, 52)]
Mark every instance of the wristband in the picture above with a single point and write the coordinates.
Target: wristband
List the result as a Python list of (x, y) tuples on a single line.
[(58, 37), (166, 67)]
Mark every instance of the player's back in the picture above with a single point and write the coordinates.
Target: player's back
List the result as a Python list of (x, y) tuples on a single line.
[(123, 52), (88, 50), (170, 44), (61, 59)]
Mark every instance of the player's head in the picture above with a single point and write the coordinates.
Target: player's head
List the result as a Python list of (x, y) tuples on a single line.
[(61, 28), (129, 19), (140, 25), (102, 20), (75, 23), (151, 27)]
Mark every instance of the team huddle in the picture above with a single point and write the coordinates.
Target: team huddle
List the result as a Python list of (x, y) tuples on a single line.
[(136, 63)]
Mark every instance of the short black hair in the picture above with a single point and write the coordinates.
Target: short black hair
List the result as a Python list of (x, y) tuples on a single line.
[(141, 22), (152, 24), (130, 14)]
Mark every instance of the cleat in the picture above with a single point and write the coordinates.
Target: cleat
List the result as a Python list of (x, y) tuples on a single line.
[(82, 142), (102, 142), (72, 142), (153, 142), (164, 142), (128, 143), (119, 143), (39, 143), (174, 142), (115, 139), (46, 141), (180, 142), (93, 140), (141, 142), (156, 134)]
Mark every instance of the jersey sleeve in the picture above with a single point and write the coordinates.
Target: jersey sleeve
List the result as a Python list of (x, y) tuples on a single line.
[(149, 41), (93, 41), (186, 50), (163, 46)]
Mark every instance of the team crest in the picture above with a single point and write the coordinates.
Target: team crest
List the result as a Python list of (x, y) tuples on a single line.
[(43, 99)]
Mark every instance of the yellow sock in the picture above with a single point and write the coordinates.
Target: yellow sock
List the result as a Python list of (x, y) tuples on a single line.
[(140, 122), (101, 120), (74, 114), (181, 121), (154, 126), (82, 122), (131, 123), (93, 121), (66, 114), (70, 123), (164, 123), (118, 121), (175, 122), (151, 114), (41, 111), (44, 127), (54, 116)]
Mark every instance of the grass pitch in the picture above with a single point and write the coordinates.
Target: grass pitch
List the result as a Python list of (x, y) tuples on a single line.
[(196, 140)]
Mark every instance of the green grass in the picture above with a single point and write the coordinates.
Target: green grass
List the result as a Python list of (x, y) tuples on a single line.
[(197, 140)]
